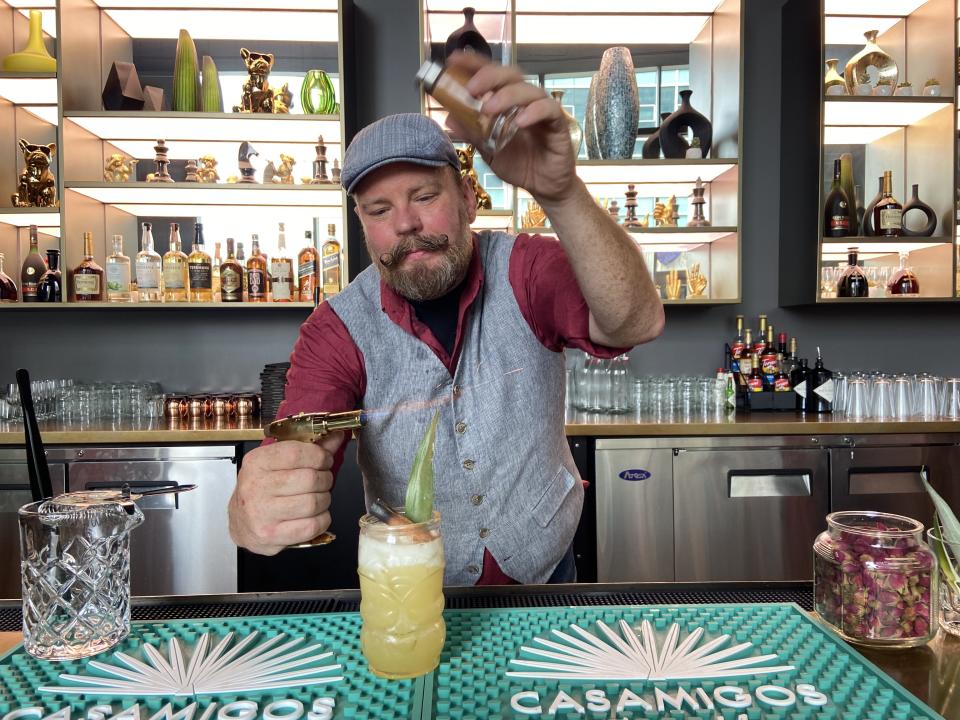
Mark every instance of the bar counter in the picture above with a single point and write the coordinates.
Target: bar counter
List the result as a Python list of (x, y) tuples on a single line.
[(931, 673), (202, 430)]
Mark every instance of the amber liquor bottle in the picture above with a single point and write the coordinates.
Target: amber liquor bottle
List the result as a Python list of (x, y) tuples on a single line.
[(231, 277), (836, 209), (215, 272), (308, 269), (176, 276), (761, 343), (330, 263), (88, 282), (888, 213), (281, 270), (737, 346), (768, 360), (8, 288), (755, 381), (33, 268), (257, 274), (200, 269)]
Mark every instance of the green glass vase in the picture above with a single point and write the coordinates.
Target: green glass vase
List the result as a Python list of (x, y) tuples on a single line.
[(317, 96)]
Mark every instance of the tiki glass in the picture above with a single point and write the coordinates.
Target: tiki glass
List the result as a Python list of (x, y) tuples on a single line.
[(401, 590)]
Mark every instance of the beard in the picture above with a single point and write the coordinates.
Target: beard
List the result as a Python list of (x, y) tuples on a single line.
[(420, 282)]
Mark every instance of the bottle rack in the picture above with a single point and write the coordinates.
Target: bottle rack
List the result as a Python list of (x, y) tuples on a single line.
[(911, 135), (706, 35), (87, 37)]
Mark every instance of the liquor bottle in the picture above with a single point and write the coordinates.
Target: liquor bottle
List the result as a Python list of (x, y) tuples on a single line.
[(768, 360), (8, 288), (798, 380), (330, 263), (904, 282), (231, 277), (790, 360), (747, 345), (308, 269), (281, 271), (176, 281), (853, 281), (149, 268), (267, 284), (88, 275), (215, 272), (256, 274), (33, 267), (242, 259), (782, 344), (118, 273), (781, 381), (761, 342), (199, 269), (50, 287), (819, 388), (836, 209), (755, 381), (738, 345), (888, 213)]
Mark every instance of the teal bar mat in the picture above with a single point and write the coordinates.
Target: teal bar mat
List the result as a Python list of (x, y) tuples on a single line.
[(645, 657)]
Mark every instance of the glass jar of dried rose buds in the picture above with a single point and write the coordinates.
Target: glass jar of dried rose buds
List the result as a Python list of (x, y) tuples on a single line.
[(875, 580)]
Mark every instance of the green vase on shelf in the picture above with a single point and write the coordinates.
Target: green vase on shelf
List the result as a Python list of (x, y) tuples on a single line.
[(317, 96), (34, 56)]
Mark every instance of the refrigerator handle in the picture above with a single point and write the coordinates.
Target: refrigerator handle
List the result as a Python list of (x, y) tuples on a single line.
[(769, 483)]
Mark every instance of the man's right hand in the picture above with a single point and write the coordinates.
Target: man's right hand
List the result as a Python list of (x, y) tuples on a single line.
[(282, 496)]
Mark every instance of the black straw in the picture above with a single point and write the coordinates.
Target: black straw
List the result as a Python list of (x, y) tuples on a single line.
[(40, 485)]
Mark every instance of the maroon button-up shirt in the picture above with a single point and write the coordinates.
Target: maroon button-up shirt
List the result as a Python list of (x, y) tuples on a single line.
[(327, 371)]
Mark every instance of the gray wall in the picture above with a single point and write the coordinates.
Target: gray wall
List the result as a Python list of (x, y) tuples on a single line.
[(205, 350)]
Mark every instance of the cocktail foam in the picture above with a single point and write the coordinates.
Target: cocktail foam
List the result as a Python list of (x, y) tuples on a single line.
[(374, 552)]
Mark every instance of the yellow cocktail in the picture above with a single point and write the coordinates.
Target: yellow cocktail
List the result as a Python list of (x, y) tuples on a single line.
[(401, 596)]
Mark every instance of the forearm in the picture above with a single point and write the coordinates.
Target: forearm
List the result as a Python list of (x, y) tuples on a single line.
[(625, 309)]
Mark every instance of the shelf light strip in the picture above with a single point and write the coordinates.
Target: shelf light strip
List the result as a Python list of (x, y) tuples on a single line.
[(230, 24), (130, 126)]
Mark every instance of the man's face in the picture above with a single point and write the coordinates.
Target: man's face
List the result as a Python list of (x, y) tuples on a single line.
[(416, 224)]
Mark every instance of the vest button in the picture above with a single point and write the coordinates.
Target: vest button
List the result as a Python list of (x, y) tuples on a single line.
[(473, 569), (461, 427), (476, 499), (484, 532), (468, 464), (457, 392)]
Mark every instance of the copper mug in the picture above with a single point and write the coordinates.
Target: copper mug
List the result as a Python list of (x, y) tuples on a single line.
[(246, 405), (221, 405), (196, 406), (174, 406)]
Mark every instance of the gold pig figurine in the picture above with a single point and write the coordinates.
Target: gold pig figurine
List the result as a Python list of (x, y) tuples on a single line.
[(36, 186)]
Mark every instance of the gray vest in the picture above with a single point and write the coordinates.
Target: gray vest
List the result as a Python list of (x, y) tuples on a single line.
[(505, 479)]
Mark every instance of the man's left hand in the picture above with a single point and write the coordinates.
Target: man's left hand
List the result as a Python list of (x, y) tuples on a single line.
[(540, 157)]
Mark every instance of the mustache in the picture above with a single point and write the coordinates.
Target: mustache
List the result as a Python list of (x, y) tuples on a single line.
[(412, 243)]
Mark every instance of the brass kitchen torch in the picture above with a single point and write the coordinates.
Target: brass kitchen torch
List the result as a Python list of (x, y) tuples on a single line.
[(310, 427)]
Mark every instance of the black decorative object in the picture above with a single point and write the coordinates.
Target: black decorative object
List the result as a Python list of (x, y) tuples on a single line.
[(672, 142), (866, 227), (122, 90), (467, 37), (248, 173), (651, 146), (153, 99), (915, 203)]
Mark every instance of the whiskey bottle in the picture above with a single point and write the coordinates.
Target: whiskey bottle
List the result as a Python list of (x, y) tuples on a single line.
[(8, 288), (330, 263), (33, 267), (88, 275), (118, 273), (231, 277), (904, 282), (149, 268), (242, 259), (267, 282), (50, 287), (199, 269), (836, 209), (281, 271), (176, 282), (308, 269), (853, 281), (215, 272), (888, 213), (256, 274)]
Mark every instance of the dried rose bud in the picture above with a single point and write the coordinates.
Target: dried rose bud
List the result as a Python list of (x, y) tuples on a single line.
[(920, 627)]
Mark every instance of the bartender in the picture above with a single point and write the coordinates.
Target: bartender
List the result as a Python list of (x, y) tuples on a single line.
[(472, 324)]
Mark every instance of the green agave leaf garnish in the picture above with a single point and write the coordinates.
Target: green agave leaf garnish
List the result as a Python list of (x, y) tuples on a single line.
[(950, 526), (419, 502)]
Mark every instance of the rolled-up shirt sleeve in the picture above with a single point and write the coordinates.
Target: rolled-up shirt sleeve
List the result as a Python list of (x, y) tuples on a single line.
[(326, 371), (549, 297)]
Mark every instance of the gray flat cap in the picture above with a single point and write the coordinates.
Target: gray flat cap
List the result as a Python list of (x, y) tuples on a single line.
[(408, 137)]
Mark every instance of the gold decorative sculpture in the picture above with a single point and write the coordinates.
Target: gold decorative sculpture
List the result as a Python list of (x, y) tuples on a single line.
[(36, 186), (467, 171), (696, 281), (257, 95), (871, 56), (659, 213), (646, 220), (673, 214), (673, 285), (207, 171), (534, 216), (281, 174), (118, 168)]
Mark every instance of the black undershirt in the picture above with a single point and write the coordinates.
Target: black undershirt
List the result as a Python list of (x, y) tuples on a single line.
[(440, 315)]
